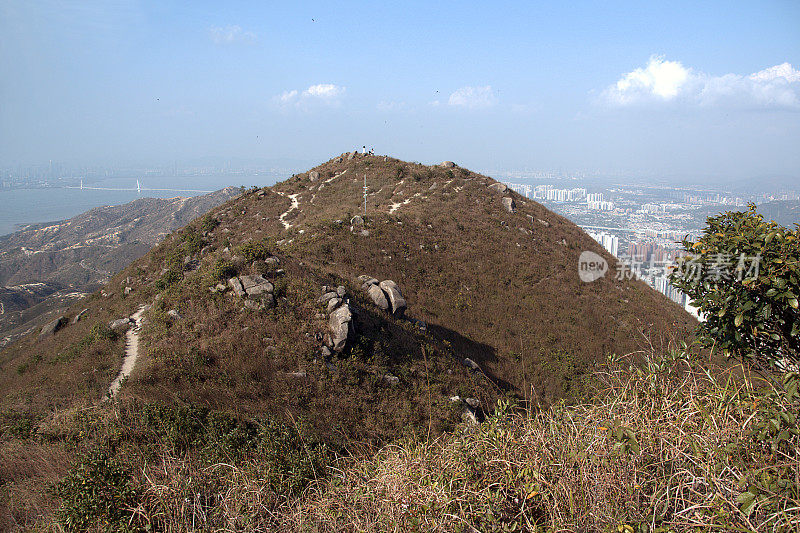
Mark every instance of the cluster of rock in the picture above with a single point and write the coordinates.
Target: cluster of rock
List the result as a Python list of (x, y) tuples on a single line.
[(384, 294), (508, 202), (257, 292), (122, 324), (340, 319), (472, 409)]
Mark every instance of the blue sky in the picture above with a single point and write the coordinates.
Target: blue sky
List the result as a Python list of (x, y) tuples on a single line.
[(675, 88)]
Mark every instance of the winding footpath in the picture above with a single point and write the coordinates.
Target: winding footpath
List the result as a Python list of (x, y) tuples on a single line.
[(131, 352)]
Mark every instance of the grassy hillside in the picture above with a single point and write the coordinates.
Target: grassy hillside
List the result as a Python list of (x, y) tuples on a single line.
[(495, 311), (44, 268), (497, 287), (668, 445)]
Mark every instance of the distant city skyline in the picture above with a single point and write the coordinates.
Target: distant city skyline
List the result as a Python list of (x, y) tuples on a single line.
[(698, 91)]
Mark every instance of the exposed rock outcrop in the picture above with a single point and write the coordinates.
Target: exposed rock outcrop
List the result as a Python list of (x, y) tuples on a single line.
[(396, 299), (385, 295), (77, 318), (52, 327), (256, 285), (257, 291), (340, 324), (120, 324), (471, 364), (340, 319), (378, 296), (472, 413), (509, 204)]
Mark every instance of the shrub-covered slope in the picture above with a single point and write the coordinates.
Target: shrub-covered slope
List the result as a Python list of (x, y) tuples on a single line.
[(482, 282)]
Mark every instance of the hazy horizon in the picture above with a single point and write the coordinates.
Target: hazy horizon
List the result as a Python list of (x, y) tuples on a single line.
[(698, 91)]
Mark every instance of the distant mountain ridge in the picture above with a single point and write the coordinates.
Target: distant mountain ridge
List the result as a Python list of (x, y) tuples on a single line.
[(48, 265)]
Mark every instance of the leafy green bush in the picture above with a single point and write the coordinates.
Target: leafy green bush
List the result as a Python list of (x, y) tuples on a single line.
[(223, 269), (98, 490), (254, 250), (209, 223), (192, 242), (291, 461), (744, 276), (170, 278)]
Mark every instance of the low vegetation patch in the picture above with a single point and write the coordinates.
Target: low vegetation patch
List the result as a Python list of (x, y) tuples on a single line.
[(668, 447)]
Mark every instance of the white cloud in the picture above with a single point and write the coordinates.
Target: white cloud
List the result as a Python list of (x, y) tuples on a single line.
[(287, 97), (323, 93), (669, 81), (473, 97), (783, 71), (231, 35), (662, 79)]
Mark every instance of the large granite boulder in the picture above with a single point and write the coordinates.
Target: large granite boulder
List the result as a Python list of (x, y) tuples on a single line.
[(396, 299), (339, 324), (509, 204), (367, 282), (51, 327), (325, 298), (333, 303), (378, 296), (255, 285), (498, 187), (237, 287), (447, 164)]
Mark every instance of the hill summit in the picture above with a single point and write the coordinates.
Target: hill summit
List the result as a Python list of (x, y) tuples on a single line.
[(421, 305)]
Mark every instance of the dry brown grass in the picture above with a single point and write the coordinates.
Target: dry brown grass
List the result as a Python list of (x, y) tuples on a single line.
[(563, 470), (26, 470), (662, 447)]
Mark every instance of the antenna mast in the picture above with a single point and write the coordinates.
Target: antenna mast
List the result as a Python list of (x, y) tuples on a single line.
[(365, 195)]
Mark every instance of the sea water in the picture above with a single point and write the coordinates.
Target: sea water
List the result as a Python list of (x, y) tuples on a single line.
[(19, 207)]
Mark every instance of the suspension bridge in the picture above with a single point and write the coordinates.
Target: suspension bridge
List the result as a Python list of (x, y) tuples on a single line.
[(138, 188)]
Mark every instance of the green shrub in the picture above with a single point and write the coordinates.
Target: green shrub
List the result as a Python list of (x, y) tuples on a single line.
[(101, 331), (170, 278), (291, 460), (744, 276), (98, 332), (97, 492), (192, 242), (281, 286), (223, 269), (254, 250), (209, 223)]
